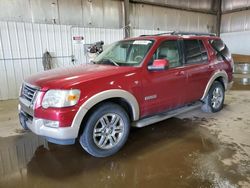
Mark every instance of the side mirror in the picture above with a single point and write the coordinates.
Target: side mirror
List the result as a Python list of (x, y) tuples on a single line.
[(159, 65)]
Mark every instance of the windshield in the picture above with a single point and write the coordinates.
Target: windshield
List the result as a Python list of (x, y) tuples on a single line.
[(125, 53)]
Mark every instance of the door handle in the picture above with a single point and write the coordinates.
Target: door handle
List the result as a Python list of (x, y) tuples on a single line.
[(180, 73), (210, 66)]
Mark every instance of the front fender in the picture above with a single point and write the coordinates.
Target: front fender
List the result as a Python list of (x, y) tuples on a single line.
[(99, 97)]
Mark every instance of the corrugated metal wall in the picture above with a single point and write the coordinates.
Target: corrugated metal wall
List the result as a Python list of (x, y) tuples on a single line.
[(238, 21), (86, 13), (150, 17), (23, 44)]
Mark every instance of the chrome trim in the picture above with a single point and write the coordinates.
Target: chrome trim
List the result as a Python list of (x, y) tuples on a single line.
[(32, 86), (108, 131), (26, 106), (216, 75), (32, 91), (113, 93), (217, 98)]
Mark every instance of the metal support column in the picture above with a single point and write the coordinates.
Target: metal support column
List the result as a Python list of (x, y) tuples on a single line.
[(218, 19), (127, 18)]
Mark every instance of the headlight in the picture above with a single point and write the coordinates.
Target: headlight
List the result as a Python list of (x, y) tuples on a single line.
[(60, 98), (20, 90)]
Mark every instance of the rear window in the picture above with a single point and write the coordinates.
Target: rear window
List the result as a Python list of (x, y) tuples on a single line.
[(221, 49), (195, 51)]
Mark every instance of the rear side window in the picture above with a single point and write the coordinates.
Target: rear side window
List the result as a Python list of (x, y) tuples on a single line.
[(221, 49), (195, 52)]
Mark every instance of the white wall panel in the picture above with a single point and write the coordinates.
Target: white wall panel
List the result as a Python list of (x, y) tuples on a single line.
[(23, 44), (238, 42)]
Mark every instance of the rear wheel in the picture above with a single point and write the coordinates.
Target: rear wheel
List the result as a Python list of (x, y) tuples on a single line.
[(215, 98), (106, 130)]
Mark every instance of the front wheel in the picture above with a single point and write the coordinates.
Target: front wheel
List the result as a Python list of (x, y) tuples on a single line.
[(214, 100), (106, 130)]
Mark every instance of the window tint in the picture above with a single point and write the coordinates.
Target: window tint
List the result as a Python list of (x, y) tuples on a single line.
[(221, 49), (168, 50), (195, 51)]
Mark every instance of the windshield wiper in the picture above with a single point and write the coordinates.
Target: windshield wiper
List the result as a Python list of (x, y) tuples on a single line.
[(110, 61)]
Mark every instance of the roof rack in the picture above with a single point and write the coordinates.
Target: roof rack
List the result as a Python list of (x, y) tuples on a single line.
[(181, 33)]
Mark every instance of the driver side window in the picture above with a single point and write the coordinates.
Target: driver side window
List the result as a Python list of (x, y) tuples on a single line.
[(168, 50)]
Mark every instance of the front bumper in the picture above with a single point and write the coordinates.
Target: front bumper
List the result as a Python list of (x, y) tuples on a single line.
[(60, 135)]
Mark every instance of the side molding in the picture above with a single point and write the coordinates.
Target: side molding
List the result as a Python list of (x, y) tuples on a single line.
[(216, 75), (113, 93)]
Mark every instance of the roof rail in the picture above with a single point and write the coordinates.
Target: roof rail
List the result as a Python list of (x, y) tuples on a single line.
[(158, 34), (193, 33), (181, 33)]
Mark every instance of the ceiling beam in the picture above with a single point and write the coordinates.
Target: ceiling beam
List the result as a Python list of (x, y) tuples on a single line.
[(174, 7)]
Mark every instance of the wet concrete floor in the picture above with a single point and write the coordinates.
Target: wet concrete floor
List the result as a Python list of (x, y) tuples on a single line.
[(172, 153), (161, 155)]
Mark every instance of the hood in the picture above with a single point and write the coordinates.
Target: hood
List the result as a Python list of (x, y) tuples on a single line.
[(62, 78)]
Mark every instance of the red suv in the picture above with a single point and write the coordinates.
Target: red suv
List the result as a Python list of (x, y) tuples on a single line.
[(134, 82)]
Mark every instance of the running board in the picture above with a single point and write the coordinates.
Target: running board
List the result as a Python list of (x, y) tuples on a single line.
[(163, 116)]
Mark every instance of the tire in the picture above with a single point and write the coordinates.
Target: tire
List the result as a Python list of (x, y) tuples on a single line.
[(214, 100), (106, 130)]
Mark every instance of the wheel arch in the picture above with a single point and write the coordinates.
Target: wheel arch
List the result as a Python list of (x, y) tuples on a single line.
[(121, 97), (220, 76)]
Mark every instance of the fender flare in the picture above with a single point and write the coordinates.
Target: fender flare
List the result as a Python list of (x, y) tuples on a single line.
[(99, 97), (216, 75)]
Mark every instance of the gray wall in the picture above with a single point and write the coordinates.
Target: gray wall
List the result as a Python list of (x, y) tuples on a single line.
[(109, 13), (161, 18), (234, 4)]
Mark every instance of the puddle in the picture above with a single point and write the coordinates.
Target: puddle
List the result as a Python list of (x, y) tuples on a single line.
[(241, 83), (16, 152), (161, 155)]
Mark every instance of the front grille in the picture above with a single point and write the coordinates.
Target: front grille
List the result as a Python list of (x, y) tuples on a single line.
[(29, 92)]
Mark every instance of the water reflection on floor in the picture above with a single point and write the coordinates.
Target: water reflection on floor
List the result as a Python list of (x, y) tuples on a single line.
[(159, 155), (241, 82)]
